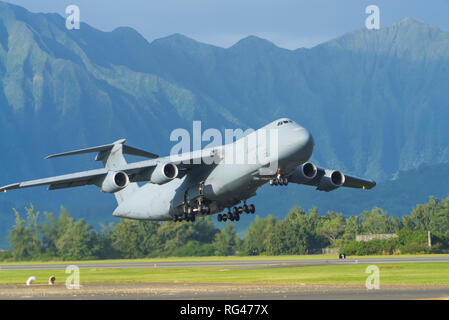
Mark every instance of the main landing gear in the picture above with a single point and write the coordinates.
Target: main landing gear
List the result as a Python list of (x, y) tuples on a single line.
[(190, 213), (236, 212)]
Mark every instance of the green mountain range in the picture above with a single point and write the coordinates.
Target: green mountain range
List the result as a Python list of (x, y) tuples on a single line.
[(376, 101)]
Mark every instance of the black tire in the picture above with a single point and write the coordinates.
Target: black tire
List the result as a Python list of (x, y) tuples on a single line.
[(220, 217), (252, 208), (245, 208), (276, 182), (229, 216), (235, 210), (237, 218)]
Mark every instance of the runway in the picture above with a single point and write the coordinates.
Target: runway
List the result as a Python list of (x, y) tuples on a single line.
[(259, 263)]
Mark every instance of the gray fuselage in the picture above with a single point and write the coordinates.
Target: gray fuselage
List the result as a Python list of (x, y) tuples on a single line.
[(226, 182)]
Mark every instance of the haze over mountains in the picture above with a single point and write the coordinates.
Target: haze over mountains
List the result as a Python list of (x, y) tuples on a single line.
[(377, 102)]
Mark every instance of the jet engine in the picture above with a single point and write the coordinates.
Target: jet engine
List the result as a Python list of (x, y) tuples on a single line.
[(331, 180), (304, 173), (115, 181), (163, 173)]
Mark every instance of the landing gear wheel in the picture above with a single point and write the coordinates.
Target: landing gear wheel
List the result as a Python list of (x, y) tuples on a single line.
[(237, 217), (204, 209), (225, 217), (230, 216), (235, 210), (220, 217), (252, 208), (285, 181), (245, 208), (276, 182)]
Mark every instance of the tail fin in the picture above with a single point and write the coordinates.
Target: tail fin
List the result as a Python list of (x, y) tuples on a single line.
[(112, 157)]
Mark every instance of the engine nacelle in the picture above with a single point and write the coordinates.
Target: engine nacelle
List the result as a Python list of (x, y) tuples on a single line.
[(163, 173), (304, 173), (331, 180), (115, 181)]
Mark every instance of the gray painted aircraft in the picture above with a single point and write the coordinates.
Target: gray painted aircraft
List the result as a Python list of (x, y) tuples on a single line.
[(202, 182)]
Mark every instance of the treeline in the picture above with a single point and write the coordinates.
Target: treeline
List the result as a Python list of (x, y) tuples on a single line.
[(37, 236)]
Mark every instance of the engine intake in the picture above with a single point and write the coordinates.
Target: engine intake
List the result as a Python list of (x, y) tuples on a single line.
[(115, 181), (331, 180), (163, 173), (304, 173)]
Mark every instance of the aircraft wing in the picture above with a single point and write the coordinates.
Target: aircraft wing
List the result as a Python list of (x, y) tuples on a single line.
[(349, 181), (328, 180), (354, 182), (137, 172), (59, 182)]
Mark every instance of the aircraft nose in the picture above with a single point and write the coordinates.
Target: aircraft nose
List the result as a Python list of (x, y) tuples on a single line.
[(304, 142)]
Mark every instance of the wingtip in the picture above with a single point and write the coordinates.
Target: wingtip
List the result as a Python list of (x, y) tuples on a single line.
[(10, 187)]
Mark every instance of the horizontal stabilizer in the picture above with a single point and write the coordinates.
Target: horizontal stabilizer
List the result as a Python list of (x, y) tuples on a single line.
[(126, 149)]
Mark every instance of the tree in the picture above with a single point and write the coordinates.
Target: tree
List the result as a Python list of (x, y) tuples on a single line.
[(376, 221), (135, 239), (352, 228), (77, 240), (226, 242), (255, 241), (173, 235), (296, 234), (332, 226), (25, 238), (205, 230)]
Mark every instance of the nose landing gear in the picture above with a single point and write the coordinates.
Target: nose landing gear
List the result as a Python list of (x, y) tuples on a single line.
[(279, 181)]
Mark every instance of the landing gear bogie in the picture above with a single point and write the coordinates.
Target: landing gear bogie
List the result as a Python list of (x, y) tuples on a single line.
[(234, 215)]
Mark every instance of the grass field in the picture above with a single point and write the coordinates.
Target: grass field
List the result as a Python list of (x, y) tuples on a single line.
[(400, 273)]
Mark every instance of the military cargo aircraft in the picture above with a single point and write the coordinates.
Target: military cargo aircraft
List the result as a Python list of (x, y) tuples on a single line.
[(203, 182)]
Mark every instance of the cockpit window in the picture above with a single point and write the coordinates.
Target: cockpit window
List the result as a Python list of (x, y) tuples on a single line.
[(280, 123)]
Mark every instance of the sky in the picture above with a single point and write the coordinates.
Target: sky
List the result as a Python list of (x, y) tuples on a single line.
[(289, 24)]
